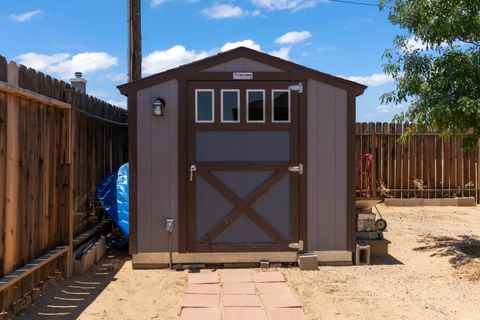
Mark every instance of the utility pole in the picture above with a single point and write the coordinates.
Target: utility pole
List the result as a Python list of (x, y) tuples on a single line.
[(134, 41)]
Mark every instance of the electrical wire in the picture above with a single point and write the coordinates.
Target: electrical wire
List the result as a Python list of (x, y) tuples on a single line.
[(358, 3), (91, 115)]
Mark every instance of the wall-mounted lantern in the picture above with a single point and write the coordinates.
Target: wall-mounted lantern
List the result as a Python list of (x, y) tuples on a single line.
[(159, 107)]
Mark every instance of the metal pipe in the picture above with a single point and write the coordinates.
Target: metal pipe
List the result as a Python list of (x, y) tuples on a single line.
[(171, 249)]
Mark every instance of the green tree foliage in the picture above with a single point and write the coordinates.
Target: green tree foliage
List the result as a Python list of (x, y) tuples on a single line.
[(436, 66)]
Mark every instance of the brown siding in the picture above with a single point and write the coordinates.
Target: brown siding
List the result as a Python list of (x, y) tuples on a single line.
[(157, 168), (327, 163), (242, 65)]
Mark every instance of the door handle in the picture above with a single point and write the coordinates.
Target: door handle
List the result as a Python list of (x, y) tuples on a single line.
[(193, 168), (298, 169)]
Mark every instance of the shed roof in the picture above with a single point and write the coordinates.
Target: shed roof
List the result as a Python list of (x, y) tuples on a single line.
[(185, 71)]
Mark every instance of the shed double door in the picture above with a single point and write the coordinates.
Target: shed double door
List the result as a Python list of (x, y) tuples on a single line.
[(243, 166)]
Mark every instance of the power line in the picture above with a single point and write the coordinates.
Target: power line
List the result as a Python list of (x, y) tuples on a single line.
[(91, 115), (358, 3)]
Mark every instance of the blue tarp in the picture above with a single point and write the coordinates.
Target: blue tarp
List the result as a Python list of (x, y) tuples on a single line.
[(113, 195)]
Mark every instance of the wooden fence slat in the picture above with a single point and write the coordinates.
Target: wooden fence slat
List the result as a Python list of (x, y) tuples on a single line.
[(3, 69), (11, 174)]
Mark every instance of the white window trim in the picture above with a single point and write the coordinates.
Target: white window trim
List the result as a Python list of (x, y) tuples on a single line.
[(196, 105), (264, 103), (289, 106), (221, 105)]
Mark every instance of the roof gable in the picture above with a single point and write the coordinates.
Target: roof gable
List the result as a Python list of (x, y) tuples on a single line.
[(208, 64)]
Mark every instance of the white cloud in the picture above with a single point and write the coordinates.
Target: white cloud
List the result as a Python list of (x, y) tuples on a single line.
[(286, 4), (22, 17), (293, 37), (156, 3), (282, 53), (116, 77), (414, 43), (256, 13), (223, 11), (161, 60), (390, 108), (62, 65), (118, 103), (245, 43), (175, 56), (383, 108), (99, 94), (374, 80)]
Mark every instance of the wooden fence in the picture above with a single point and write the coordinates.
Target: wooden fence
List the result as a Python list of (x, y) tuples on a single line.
[(56, 144), (425, 166)]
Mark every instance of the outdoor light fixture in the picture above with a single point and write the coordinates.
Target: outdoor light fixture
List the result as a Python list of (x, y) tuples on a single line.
[(159, 107)]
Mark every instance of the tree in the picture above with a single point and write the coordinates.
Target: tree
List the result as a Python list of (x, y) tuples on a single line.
[(436, 66)]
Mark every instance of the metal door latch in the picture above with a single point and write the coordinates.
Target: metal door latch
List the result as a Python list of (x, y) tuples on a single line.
[(296, 245), (298, 169), (193, 168)]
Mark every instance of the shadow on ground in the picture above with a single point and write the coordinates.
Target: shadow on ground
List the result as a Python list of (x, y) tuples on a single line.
[(69, 298), (387, 260), (462, 249)]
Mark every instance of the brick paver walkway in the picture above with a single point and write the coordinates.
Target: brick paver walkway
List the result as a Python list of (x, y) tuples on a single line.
[(239, 295)]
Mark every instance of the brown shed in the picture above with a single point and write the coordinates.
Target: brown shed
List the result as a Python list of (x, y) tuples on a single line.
[(251, 153)]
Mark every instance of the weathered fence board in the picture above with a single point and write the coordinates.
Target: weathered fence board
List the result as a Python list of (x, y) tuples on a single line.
[(56, 144), (424, 166)]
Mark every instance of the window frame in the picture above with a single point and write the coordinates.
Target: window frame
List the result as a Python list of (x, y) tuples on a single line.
[(212, 91), (273, 106), (264, 105), (221, 105)]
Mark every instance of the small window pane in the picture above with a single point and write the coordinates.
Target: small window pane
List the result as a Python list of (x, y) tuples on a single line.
[(204, 106), (230, 105), (281, 112), (256, 106)]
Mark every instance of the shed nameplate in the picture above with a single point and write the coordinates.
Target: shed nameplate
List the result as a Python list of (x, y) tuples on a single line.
[(242, 75)]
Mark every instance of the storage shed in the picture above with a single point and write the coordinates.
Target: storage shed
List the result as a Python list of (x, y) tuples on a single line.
[(249, 154)]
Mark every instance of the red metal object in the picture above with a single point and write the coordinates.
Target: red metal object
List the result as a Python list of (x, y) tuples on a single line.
[(364, 168)]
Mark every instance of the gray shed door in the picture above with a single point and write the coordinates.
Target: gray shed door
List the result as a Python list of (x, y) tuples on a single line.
[(243, 166)]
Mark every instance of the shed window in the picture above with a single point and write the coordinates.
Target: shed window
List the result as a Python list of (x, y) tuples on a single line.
[(255, 105), (280, 106), (204, 105), (230, 105)]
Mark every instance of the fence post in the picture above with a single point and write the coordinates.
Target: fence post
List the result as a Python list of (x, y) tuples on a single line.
[(70, 123), (374, 152), (11, 173), (478, 173)]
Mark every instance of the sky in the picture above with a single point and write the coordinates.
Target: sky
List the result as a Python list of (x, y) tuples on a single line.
[(60, 37)]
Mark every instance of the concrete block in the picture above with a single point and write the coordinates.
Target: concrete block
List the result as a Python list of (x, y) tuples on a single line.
[(308, 261), (86, 261), (378, 248), (264, 264), (403, 202), (432, 202), (101, 248), (466, 202), (448, 202), (362, 254), (461, 202)]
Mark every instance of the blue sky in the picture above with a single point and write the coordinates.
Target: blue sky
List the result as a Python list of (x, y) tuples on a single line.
[(60, 37)]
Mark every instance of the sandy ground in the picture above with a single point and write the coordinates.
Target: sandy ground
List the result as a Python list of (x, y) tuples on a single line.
[(433, 272)]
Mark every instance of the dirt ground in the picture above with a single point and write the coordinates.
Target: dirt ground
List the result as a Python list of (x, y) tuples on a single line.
[(433, 272)]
